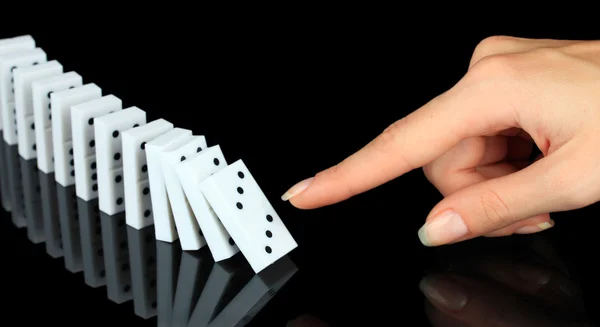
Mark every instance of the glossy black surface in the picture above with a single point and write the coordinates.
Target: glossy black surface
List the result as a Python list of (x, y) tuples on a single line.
[(290, 102)]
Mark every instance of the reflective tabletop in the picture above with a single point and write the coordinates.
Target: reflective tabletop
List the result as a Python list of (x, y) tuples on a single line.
[(66, 262)]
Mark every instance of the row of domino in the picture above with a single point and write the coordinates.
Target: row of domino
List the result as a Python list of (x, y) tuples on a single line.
[(153, 171)]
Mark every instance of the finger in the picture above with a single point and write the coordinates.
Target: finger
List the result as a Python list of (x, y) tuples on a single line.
[(481, 304), (409, 143), (545, 186), (496, 45), (531, 225)]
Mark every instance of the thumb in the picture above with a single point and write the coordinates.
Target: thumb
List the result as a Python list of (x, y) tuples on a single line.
[(546, 186)]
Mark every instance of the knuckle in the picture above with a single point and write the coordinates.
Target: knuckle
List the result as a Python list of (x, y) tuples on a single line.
[(496, 65), (494, 210), (491, 45)]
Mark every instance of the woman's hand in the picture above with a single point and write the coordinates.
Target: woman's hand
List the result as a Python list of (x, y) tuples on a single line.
[(473, 142)]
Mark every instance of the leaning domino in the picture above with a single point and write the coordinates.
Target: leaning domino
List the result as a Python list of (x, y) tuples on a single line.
[(189, 233), (62, 137), (138, 204), (84, 144), (24, 78), (109, 154), (164, 225), (15, 44), (41, 91), (8, 63), (247, 215), (191, 173)]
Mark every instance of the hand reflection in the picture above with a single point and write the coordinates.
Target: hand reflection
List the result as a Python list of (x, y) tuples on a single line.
[(504, 291), (306, 321)]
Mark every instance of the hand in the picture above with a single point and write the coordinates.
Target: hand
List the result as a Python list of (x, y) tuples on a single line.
[(306, 321), (473, 142), (504, 291)]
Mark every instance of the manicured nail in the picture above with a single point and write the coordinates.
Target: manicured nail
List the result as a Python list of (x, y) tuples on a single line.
[(297, 189), (534, 228), (444, 292), (446, 227)]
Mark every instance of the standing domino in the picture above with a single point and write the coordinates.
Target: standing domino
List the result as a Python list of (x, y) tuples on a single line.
[(8, 63), (138, 204), (248, 215), (15, 44), (191, 173), (109, 154), (164, 226), (62, 136), (24, 78), (84, 144), (190, 236), (41, 91)]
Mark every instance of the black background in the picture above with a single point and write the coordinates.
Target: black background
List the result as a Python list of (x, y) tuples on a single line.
[(290, 98)]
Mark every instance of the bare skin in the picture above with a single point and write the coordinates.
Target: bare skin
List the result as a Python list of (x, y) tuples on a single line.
[(478, 136)]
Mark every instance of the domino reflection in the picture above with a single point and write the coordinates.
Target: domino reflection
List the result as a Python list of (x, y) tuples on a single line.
[(32, 197), (193, 274), (69, 227), (52, 235), (168, 260), (15, 184), (116, 257), (92, 251), (142, 258), (4, 185)]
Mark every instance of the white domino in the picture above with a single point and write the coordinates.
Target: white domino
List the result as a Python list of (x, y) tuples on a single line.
[(83, 118), (8, 63), (190, 236), (164, 225), (109, 154), (24, 78), (41, 92), (62, 136), (15, 44), (248, 216), (138, 203), (191, 173)]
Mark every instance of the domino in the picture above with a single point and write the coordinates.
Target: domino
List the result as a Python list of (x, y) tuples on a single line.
[(191, 172), (142, 262), (24, 78), (168, 261), (15, 44), (8, 63), (191, 237), (138, 204), (194, 270), (109, 154), (83, 118), (42, 113), (164, 225), (62, 137), (248, 216)]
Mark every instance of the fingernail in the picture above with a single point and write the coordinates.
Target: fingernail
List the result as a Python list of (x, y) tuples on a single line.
[(534, 228), (444, 292), (446, 227), (297, 189), (533, 276)]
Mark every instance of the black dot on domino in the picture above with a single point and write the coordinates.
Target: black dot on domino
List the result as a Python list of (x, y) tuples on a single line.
[(240, 174), (147, 213), (32, 126), (71, 87), (269, 234), (198, 149), (216, 162), (182, 158), (146, 191), (269, 218), (73, 173), (13, 68), (72, 162), (34, 147), (144, 168), (143, 146), (231, 242), (94, 176), (268, 249), (49, 93), (118, 179), (93, 165), (91, 121), (92, 143), (71, 151), (116, 134), (117, 156), (240, 190), (35, 63), (136, 125), (119, 201), (239, 205), (95, 187)]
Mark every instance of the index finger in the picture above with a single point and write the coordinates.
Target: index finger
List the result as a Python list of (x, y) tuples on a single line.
[(468, 109)]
